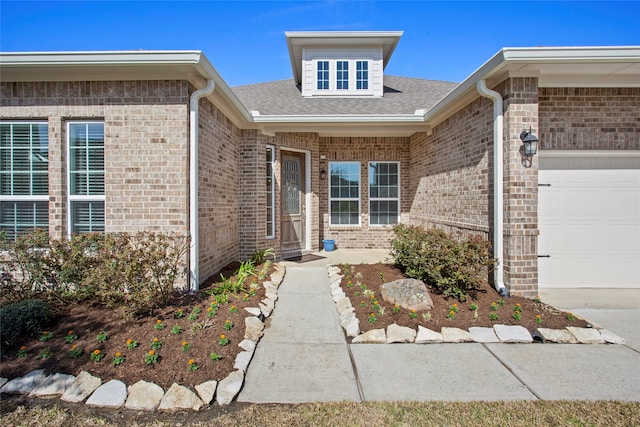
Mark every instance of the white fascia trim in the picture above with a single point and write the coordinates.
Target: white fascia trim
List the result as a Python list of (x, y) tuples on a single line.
[(341, 34), (400, 118), (588, 153)]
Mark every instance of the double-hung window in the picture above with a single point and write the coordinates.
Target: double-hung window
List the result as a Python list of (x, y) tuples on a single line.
[(323, 75), (384, 193), (271, 215), (24, 177), (85, 144), (342, 75), (344, 193), (362, 75)]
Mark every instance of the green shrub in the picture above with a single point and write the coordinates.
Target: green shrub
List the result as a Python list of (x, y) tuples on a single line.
[(453, 267), (23, 319)]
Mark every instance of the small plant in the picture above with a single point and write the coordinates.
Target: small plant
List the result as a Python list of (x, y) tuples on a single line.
[(372, 318), (22, 352), (45, 353), (118, 359), (74, 351), (131, 344), (228, 324), (176, 330), (474, 307), (537, 299), (46, 336), (356, 293), (413, 314), (517, 315), (451, 315), (156, 344), (517, 307), (380, 310), (151, 357), (538, 319), (363, 304), (396, 309), (186, 346), (493, 315), (192, 317), (214, 356), (358, 276), (71, 337), (223, 340), (494, 306), (97, 355), (233, 309), (382, 278), (178, 314), (159, 326), (102, 336), (212, 310), (426, 316), (245, 298), (349, 284), (501, 303), (570, 316), (193, 366), (454, 308), (368, 293)]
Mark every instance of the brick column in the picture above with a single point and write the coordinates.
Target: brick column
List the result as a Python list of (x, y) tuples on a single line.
[(520, 188), (57, 178)]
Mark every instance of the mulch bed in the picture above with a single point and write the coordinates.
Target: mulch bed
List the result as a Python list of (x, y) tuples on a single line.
[(373, 276)]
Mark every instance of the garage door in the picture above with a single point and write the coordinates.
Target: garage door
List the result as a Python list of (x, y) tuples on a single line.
[(589, 220)]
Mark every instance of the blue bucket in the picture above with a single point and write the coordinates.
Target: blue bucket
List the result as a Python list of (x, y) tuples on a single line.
[(329, 245)]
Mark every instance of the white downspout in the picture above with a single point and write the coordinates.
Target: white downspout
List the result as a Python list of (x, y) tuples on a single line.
[(194, 253), (498, 166)]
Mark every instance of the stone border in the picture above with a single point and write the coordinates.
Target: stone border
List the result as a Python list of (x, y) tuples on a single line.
[(496, 334), (147, 396)]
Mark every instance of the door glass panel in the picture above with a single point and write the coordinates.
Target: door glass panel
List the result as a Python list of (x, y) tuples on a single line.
[(291, 183)]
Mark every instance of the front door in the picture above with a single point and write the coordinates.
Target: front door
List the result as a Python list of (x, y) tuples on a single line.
[(293, 201)]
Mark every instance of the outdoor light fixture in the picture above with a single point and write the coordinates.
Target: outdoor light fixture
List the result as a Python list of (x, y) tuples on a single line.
[(530, 142), (323, 173)]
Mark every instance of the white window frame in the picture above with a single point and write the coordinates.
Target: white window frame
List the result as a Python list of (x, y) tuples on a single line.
[(317, 74), (271, 161), (362, 80), (348, 199), (27, 197), (74, 197), (383, 199), (333, 78)]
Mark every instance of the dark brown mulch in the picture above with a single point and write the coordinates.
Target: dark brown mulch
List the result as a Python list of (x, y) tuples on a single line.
[(203, 335), (374, 275)]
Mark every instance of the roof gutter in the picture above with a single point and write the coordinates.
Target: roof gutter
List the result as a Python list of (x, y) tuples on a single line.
[(194, 253), (498, 165)]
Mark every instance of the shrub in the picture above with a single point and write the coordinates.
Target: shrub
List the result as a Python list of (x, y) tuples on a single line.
[(453, 267), (23, 319)]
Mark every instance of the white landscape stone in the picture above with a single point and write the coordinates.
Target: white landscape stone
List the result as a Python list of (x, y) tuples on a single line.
[(561, 336), (24, 384), (427, 336), (247, 345), (610, 337), (144, 396), (586, 335), (455, 335), (3, 381), (480, 334), (271, 295), (374, 336), (206, 391), (179, 397), (253, 328), (400, 334), (353, 327), (82, 387), (229, 387), (53, 385), (343, 304), (242, 360), (513, 334), (265, 310), (111, 394), (253, 310)]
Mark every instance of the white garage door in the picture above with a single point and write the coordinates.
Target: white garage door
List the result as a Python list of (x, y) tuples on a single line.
[(589, 220)]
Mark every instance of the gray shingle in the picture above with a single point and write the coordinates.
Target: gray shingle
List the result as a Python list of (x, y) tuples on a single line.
[(402, 95)]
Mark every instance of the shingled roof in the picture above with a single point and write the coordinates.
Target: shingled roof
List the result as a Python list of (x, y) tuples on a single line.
[(402, 95)]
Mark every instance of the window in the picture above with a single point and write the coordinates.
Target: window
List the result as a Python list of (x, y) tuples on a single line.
[(24, 177), (323, 75), (86, 176), (342, 75), (344, 193), (362, 75), (384, 194), (270, 194)]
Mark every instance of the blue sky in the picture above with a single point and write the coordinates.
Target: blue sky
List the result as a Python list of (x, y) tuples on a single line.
[(245, 39)]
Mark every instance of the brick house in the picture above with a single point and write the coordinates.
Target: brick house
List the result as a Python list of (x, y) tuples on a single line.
[(156, 140)]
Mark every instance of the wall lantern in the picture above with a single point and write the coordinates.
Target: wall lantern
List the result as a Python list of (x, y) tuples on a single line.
[(530, 142), (323, 173)]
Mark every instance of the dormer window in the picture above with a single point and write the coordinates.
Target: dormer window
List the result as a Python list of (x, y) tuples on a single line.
[(336, 77), (323, 75), (362, 75), (342, 75)]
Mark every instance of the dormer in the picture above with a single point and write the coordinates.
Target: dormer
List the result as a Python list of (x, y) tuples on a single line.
[(341, 63)]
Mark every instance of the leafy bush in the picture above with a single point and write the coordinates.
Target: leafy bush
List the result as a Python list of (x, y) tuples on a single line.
[(453, 267), (23, 319)]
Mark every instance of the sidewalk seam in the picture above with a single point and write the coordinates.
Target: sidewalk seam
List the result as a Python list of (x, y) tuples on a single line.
[(355, 373), (516, 376)]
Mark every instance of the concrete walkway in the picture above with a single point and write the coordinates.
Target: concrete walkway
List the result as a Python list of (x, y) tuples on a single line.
[(304, 357)]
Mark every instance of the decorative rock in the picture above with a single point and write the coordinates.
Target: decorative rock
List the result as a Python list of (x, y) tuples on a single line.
[(338, 297), (179, 397), (229, 387), (396, 333), (610, 337), (253, 310), (343, 304), (271, 295), (206, 391), (111, 394), (253, 328), (374, 336), (82, 387), (411, 294), (242, 360), (586, 335), (427, 336), (483, 334), (276, 278), (455, 335), (353, 327), (53, 385), (144, 396), (24, 384), (3, 381), (247, 345), (266, 311), (512, 334), (561, 336), (346, 316)]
